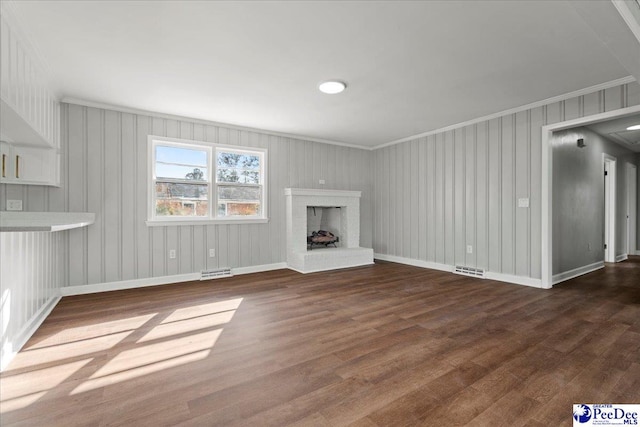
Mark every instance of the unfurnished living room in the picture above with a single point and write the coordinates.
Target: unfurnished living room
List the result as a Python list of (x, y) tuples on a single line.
[(319, 213)]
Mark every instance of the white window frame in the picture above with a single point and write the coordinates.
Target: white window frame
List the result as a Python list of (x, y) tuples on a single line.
[(211, 149)]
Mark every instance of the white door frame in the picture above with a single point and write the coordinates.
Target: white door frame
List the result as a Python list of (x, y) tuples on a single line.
[(609, 164), (547, 181), (632, 210)]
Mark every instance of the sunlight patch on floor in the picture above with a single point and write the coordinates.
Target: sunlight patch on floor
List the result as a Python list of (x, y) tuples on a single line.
[(140, 370), (38, 356), (165, 330), (194, 311), (20, 402), (17, 388), (92, 330)]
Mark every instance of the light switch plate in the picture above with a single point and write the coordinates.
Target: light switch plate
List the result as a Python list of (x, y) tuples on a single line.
[(523, 202), (14, 205)]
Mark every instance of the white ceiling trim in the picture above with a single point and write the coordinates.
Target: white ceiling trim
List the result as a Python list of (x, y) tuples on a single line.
[(627, 15), (141, 112), (580, 92)]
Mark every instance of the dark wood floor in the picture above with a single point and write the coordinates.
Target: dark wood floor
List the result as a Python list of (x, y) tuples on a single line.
[(385, 345)]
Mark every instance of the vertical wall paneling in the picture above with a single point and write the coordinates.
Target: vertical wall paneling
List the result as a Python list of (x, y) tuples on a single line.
[(507, 196), (448, 190), (482, 196), (495, 196), (107, 174), (473, 178), (421, 211), (31, 277), (23, 83), (521, 225), (76, 184), (127, 198), (470, 210), (459, 197)]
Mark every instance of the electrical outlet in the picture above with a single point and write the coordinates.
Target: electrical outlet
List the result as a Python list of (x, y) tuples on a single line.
[(588, 246), (469, 249), (321, 182), (14, 205), (523, 202), (212, 253), (172, 253)]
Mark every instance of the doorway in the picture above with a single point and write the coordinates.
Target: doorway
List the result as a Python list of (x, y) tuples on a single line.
[(632, 200), (547, 182), (609, 163)]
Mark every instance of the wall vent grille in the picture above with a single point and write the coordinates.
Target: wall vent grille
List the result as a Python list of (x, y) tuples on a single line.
[(469, 271), (217, 273)]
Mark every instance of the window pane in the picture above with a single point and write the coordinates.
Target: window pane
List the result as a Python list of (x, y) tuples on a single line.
[(238, 209), (230, 192), (238, 175), (235, 160), (173, 199), (183, 156), (234, 167), (239, 200), (180, 172)]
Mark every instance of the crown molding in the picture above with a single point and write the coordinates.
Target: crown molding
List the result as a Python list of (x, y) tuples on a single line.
[(629, 18), (564, 97), (121, 109)]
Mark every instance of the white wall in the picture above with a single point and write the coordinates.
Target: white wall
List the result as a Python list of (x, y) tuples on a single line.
[(437, 194), (105, 171), (578, 198)]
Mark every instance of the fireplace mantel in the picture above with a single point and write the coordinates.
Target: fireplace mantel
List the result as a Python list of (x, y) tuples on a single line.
[(350, 254), (321, 193)]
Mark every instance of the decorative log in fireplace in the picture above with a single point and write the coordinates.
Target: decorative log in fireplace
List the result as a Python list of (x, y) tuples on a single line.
[(322, 238)]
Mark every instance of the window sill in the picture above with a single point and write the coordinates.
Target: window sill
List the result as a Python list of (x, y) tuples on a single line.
[(166, 223)]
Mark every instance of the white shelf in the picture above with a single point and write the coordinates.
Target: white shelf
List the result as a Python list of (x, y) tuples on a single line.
[(44, 221)]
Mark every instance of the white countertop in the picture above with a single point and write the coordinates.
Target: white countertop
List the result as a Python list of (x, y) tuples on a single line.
[(16, 221)]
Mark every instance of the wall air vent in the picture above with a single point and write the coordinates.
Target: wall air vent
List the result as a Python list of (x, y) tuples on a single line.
[(469, 271), (217, 273)]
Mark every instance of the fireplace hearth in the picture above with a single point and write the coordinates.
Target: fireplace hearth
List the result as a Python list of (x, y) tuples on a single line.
[(337, 214)]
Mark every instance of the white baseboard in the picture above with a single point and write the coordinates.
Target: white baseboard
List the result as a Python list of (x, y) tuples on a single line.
[(156, 281), (127, 284), (10, 349), (623, 257), (259, 268), (414, 262), (518, 280), (561, 277)]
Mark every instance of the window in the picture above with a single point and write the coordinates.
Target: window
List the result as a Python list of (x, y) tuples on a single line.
[(194, 181)]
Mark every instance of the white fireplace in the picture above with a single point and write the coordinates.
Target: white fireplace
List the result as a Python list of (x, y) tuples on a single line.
[(348, 253)]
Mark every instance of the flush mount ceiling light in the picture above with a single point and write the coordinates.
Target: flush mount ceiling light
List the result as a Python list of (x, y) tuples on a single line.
[(634, 127), (332, 87)]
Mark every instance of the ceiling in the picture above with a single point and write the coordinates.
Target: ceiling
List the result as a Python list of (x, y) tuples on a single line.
[(411, 67), (616, 131)]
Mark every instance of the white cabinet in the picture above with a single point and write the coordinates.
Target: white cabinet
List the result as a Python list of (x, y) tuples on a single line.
[(29, 165)]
